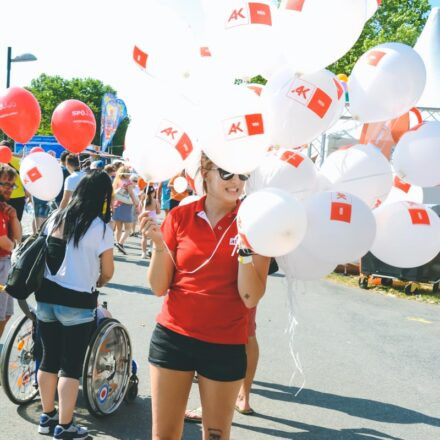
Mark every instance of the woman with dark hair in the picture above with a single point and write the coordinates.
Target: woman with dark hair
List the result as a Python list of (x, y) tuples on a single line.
[(80, 259)]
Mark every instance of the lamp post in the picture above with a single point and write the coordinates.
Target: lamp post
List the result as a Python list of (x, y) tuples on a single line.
[(18, 59)]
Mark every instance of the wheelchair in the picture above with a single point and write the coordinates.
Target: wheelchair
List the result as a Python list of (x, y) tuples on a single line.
[(109, 372)]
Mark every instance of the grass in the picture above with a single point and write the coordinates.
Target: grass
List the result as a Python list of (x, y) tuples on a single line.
[(423, 294)]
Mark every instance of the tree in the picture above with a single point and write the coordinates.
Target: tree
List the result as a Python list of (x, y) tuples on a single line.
[(52, 90), (400, 21)]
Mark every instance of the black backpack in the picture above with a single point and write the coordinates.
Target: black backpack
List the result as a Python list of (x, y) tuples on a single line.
[(28, 265)]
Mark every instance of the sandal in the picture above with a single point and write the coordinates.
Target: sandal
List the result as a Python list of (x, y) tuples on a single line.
[(245, 412), (193, 415)]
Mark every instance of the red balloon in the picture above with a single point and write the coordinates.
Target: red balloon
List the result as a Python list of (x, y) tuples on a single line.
[(74, 125), (20, 114), (36, 150), (5, 154)]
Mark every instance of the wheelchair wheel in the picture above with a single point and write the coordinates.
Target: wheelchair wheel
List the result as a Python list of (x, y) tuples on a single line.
[(106, 371), (17, 363)]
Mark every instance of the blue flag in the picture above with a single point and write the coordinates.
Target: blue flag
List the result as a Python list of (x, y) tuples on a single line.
[(113, 111)]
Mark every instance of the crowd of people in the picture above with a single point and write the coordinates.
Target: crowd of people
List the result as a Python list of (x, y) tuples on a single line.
[(205, 331)]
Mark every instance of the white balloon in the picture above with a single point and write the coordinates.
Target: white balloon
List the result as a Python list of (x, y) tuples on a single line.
[(416, 157), (189, 199), (232, 130), (180, 184), (241, 36), (404, 192), (341, 101), (315, 33), (192, 172), (284, 169), (297, 110), (271, 222), (386, 82), (305, 266), (341, 227), (41, 175), (408, 234), (361, 170), (161, 43), (372, 6)]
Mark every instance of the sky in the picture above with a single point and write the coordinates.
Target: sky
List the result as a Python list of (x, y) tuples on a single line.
[(79, 40)]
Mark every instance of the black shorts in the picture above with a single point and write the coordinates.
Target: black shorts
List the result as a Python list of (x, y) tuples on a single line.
[(221, 362)]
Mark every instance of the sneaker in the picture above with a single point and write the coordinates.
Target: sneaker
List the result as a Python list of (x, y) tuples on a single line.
[(47, 423), (149, 253), (74, 432), (143, 255)]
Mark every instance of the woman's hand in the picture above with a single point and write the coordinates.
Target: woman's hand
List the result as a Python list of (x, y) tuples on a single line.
[(150, 228)]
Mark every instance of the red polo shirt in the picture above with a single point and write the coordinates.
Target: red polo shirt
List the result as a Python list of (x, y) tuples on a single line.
[(205, 305)]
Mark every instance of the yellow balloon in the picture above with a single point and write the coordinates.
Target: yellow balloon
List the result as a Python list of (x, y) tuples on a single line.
[(343, 77)]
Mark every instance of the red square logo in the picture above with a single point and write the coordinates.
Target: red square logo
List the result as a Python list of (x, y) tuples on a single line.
[(399, 183), (254, 124), (341, 212), (184, 146), (374, 57), (419, 216), (295, 5), (140, 57), (205, 52), (339, 88), (292, 158), (260, 14), (34, 174), (320, 103)]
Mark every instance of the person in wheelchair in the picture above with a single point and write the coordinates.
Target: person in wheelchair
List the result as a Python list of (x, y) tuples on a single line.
[(79, 259)]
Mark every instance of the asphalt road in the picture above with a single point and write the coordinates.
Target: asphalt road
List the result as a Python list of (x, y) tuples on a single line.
[(370, 366)]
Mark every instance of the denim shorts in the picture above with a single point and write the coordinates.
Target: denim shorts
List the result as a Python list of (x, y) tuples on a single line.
[(66, 315)]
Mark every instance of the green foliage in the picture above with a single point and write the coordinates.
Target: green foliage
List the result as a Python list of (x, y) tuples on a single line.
[(400, 21), (52, 90)]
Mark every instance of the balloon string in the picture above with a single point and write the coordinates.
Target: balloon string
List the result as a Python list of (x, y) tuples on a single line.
[(207, 260)]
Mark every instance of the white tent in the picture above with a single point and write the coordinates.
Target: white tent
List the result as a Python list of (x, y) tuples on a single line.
[(428, 46)]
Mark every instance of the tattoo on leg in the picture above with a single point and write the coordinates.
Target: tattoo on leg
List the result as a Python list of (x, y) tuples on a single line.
[(214, 434)]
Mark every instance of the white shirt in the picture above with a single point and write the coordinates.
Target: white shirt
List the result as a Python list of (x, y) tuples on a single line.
[(73, 180), (81, 265)]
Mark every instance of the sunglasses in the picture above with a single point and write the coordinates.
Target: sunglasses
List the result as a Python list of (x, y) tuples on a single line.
[(226, 175), (8, 185)]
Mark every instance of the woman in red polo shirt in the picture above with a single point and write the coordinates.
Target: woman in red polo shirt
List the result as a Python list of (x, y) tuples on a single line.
[(203, 325)]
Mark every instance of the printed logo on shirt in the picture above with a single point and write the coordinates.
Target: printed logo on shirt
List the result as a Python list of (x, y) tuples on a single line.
[(249, 13), (243, 126), (233, 241), (310, 96), (176, 137)]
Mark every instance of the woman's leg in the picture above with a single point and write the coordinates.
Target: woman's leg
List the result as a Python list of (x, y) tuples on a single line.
[(218, 403), (51, 339), (127, 232), (252, 352), (74, 346), (169, 395), (118, 231)]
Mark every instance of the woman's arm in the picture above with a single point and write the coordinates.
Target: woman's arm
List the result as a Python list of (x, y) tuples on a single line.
[(252, 279), (107, 268), (161, 269)]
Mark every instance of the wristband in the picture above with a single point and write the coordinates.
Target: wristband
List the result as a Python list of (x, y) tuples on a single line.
[(245, 252), (245, 259)]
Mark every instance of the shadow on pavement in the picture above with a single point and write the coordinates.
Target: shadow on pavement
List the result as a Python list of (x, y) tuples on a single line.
[(130, 422), (353, 406), (312, 432), (129, 289)]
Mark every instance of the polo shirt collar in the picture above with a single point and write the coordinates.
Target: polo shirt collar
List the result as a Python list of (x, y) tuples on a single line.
[(200, 207)]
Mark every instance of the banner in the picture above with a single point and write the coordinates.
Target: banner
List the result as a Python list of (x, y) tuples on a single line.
[(113, 111)]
